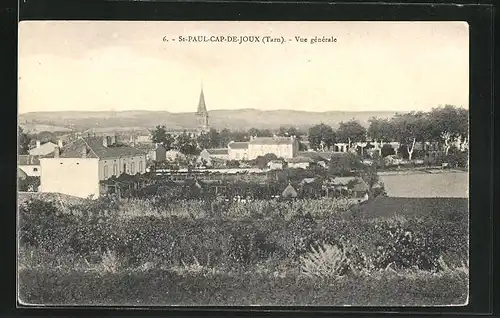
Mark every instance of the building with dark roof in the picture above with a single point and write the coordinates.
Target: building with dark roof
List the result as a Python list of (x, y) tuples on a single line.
[(78, 168)]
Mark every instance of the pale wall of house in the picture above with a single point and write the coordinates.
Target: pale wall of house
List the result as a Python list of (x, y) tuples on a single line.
[(238, 154), (223, 157), (297, 165), (73, 176), (281, 151), (31, 170), (173, 155), (115, 167)]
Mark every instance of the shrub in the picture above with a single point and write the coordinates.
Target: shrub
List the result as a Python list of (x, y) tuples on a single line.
[(404, 248), (237, 235), (387, 150), (324, 261)]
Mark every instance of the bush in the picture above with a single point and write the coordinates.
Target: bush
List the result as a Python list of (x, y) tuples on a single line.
[(404, 248), (324, 261), (387, 150), (237, 235), (457, 158), (232, 163), (29, 184)]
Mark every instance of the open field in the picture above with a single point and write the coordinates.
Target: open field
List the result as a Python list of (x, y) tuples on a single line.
[(427, 185), (163, 288)]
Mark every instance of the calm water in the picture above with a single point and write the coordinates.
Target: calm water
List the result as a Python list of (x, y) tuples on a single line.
[(449, 184)]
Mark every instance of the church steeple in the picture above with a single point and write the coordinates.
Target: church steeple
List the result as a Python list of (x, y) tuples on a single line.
[(202, 108), (202, 113)]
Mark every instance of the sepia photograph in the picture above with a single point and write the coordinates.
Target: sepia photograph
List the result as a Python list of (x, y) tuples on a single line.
[(226, 163)]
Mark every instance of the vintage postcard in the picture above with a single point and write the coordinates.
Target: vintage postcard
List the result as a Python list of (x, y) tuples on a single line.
[(243, 163)]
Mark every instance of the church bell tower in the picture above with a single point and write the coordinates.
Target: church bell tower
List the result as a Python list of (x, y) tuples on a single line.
[(202, 114)]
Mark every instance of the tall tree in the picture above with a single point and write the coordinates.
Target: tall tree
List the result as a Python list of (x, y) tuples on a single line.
[(203, 141), (215, 139), (47, 136), (169, 141), (380, 129), (225, 137), (23, 142), (159, 134), (254, 132), (186, 144), (449, 124), (321, 136), (351, 131), (410, 128)]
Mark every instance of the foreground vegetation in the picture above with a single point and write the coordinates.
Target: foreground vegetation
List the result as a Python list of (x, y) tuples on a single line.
[(305, 252)]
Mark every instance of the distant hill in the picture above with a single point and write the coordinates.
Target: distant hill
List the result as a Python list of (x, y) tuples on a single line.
[(241, 119)]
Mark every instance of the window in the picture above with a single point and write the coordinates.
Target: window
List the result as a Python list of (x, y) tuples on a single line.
[(140, 167), (35, 169), (115, 169), (105, 171), (132, 168)]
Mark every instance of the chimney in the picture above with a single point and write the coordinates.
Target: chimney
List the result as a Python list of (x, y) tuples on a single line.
[(84, 152), (60, 143), (105, 141), (38, 143)]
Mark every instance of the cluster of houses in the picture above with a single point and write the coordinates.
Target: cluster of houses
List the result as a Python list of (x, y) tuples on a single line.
[(89, 166)]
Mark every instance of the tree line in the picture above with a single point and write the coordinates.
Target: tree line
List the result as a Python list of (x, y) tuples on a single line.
[(190, 145), (447, 126)]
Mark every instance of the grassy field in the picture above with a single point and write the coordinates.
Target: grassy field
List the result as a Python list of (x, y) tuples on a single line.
[(427, 185), (160, 288)]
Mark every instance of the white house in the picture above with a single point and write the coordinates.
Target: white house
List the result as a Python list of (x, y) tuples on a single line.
[(275, 165), (173, 155), (237, 150), (30, 165), (299, 162), (282, 147), (78, 168)]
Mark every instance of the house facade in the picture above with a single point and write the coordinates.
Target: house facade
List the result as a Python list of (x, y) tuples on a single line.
[(237, 151), (299, 162), (282, 147), (78, 168), (173, 155)]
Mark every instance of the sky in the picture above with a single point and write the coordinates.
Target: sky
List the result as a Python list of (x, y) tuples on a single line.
[(126, 65)]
